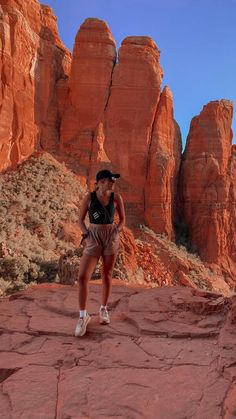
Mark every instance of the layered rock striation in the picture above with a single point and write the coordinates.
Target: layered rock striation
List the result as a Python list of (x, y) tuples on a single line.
[(207, 183), (163, 168), (32, 60), (131, 110), (93, 59), (112, 118), (100, 111)]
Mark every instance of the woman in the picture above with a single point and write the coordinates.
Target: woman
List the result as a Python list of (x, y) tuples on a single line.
[(101, 239)]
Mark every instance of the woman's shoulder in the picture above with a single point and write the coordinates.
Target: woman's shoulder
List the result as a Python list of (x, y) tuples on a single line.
[(87, 197), (117, 197)]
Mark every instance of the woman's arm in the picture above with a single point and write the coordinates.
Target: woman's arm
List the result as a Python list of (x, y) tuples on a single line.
[(82, 214), (121, 211)]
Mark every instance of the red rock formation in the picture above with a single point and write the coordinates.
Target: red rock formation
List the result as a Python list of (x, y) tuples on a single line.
[(208, 183), (163, 168), (168, 353), (93, 60), (164, 263), (115, 117), (135, 91), (232, 206), (32, 59)]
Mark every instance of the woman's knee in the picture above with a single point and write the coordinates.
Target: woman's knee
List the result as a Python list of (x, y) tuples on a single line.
[(107, 276), (82, 279)]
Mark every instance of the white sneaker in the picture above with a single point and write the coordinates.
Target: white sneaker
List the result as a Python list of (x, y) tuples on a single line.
[(104, 316), (81, 326)]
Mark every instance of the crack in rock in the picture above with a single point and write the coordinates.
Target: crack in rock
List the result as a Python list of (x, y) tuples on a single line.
[(6, 372)]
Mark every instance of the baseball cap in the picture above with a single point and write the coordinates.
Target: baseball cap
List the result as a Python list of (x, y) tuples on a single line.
[(106, 174)]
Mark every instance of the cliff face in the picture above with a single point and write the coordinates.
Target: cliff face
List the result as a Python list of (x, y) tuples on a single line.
[(135, 91), (114, 118), (93, 59), (101, 111), (208, 182), (31, 61), (163, 168)]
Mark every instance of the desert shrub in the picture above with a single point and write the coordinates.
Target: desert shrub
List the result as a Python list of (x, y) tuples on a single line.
[(32, 220), (34, 200), (9, 287), (48, 270), (14, 267), (22, 269)]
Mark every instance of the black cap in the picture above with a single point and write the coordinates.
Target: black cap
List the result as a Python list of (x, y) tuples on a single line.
[(106, 174)]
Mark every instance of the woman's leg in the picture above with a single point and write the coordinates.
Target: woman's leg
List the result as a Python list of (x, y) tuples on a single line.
[(87, 266), (108, 266)]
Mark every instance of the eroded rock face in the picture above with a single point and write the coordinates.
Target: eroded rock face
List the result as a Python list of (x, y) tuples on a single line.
[(135, 92), (163, 168), (93, 60), (172, 350), (32, 59), (114, 115), (208, 182)]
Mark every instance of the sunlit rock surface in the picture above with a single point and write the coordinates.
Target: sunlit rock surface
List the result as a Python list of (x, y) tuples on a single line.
[(168, 353)]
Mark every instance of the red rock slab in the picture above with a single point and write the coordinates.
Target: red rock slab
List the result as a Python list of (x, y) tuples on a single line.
[(21, 342), (168, 353), (131, 392), (50, 352), (31, 392), (147, 354), (171, 299), (230, 403)]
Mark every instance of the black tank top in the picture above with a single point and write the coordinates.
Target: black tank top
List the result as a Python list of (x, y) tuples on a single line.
[(101, 214)]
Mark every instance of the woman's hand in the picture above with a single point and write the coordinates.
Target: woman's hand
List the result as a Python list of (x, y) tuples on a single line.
[(118, 229), (121, 212), (84, 237)]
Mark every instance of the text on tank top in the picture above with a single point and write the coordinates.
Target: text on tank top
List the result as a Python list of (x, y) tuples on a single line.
[(99, 213)]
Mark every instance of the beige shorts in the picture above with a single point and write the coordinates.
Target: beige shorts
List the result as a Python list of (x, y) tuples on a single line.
[(103, 239)]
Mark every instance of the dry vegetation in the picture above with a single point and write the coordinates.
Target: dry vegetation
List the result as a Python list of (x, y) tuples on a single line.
[(172, 264), (36, 201)]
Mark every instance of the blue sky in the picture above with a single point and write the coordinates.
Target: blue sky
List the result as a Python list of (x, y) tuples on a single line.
[(197, 39)]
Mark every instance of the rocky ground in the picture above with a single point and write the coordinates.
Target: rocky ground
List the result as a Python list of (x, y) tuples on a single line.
[(170, 352)]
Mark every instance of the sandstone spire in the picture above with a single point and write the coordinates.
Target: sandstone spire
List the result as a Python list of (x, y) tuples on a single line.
[(93, 60), (163, 168), (32, 59), (135, 91), (208, 182)]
